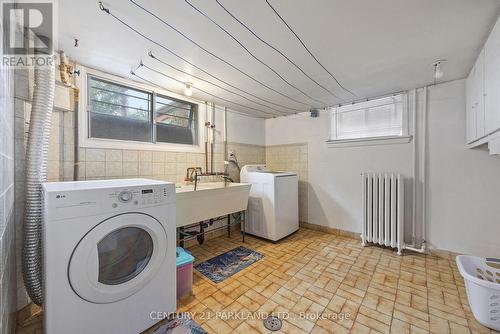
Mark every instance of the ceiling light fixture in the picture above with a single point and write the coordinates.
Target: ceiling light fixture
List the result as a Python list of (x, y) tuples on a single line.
[(188, 91), (438, 70)]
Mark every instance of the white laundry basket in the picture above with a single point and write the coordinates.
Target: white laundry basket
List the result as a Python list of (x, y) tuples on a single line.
[(482, 281)]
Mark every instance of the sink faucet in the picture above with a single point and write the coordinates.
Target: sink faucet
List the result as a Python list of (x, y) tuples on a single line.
[(192, 174), (195, 179), (225, 176)]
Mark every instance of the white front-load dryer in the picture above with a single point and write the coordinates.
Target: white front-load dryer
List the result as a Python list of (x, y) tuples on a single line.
[(108, 255)]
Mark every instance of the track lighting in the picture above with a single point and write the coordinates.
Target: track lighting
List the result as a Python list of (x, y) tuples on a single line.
[(188, 91)]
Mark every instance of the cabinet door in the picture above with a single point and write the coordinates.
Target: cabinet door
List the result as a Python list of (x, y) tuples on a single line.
[(492, 80), (479, 96), (471, 129)]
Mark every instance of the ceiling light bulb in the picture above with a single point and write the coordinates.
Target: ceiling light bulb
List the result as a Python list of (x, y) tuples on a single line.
[(438, 70), (188, 91)]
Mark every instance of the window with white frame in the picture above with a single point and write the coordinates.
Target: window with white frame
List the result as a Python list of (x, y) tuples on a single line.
[(120, 112), (381, 118)]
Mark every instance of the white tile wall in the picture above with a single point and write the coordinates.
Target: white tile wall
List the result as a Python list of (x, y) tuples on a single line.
[(8, 276), (22, 105), (112, 163), (246, 155), (292, 158), (61, 152)]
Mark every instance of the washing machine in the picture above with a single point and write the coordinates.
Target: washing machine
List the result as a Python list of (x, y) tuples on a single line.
[(273, 210), (108, 255)]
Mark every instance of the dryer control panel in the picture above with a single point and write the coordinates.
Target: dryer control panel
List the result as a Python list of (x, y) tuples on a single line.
[(140, 196), (88, 200)]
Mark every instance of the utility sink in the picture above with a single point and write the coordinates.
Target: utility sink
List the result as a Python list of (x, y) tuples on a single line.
[(210, 200)]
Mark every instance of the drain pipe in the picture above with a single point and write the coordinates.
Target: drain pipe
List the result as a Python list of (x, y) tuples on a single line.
[(424, 172), (206, 137), (212, 144), (415, 168), (67, 73), (423, 167), (225, 135), (36, 173)]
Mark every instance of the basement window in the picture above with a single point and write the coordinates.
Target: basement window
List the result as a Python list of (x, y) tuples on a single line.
[(176, 121), (121, 112), (378, 121)]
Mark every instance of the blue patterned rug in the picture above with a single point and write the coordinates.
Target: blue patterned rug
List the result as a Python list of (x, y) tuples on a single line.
[(181, 324), (226, 265)]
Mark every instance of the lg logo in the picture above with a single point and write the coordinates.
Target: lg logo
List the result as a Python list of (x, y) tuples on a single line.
[(28, 28)]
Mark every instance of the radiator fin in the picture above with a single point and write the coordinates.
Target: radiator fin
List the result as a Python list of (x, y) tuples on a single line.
[(383, 209)]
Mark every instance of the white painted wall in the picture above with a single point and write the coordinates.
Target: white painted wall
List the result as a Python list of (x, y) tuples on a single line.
[(334, 173), (245, 129), (463, 184)]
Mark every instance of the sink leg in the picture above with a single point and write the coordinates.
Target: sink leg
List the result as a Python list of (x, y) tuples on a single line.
[(243, 218), (201, 236), (181, 237), (229, 226)]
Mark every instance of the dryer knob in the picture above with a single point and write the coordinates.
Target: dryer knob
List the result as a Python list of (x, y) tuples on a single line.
[(125, 196)]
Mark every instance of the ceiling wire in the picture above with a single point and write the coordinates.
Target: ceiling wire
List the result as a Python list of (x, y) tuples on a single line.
[(211, 83), (195, 88), (215, 96), (251, 53), (156, 85), (307, 49), (221, 59), (240, 113), (275, 49), (106, 10)]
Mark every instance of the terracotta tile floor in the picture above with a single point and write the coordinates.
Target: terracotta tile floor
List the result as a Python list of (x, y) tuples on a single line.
[(351, 289), (323, 283)]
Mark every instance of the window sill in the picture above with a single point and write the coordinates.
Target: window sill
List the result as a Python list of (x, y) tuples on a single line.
[(369, 141), (138, 146)]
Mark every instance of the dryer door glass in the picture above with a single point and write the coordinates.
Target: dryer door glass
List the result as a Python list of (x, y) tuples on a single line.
[(118, 257), (123, 254)]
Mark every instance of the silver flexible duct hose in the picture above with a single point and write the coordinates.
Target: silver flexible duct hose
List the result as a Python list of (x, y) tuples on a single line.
[(36, 173)]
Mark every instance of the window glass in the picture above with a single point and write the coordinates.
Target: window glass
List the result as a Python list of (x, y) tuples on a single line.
[(176, 121), (119, 112), (116, 111), (123, 254), (384, 117)]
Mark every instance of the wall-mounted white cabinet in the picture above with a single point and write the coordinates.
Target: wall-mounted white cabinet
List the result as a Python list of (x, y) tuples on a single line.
[(475, 101), (492, 80), (471, 132), (483, 94)]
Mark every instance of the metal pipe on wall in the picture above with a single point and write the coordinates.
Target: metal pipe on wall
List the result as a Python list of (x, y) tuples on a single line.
[(212, 145), (76, 168), (225, 135), (421, 170), (414, 160), (67, 73), (424, 169), (206, 137)]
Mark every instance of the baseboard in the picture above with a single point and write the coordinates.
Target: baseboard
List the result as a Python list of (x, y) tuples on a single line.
[(440, 253), (330, 230)]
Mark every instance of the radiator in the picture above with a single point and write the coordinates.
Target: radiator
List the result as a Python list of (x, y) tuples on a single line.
[(383, 210)]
